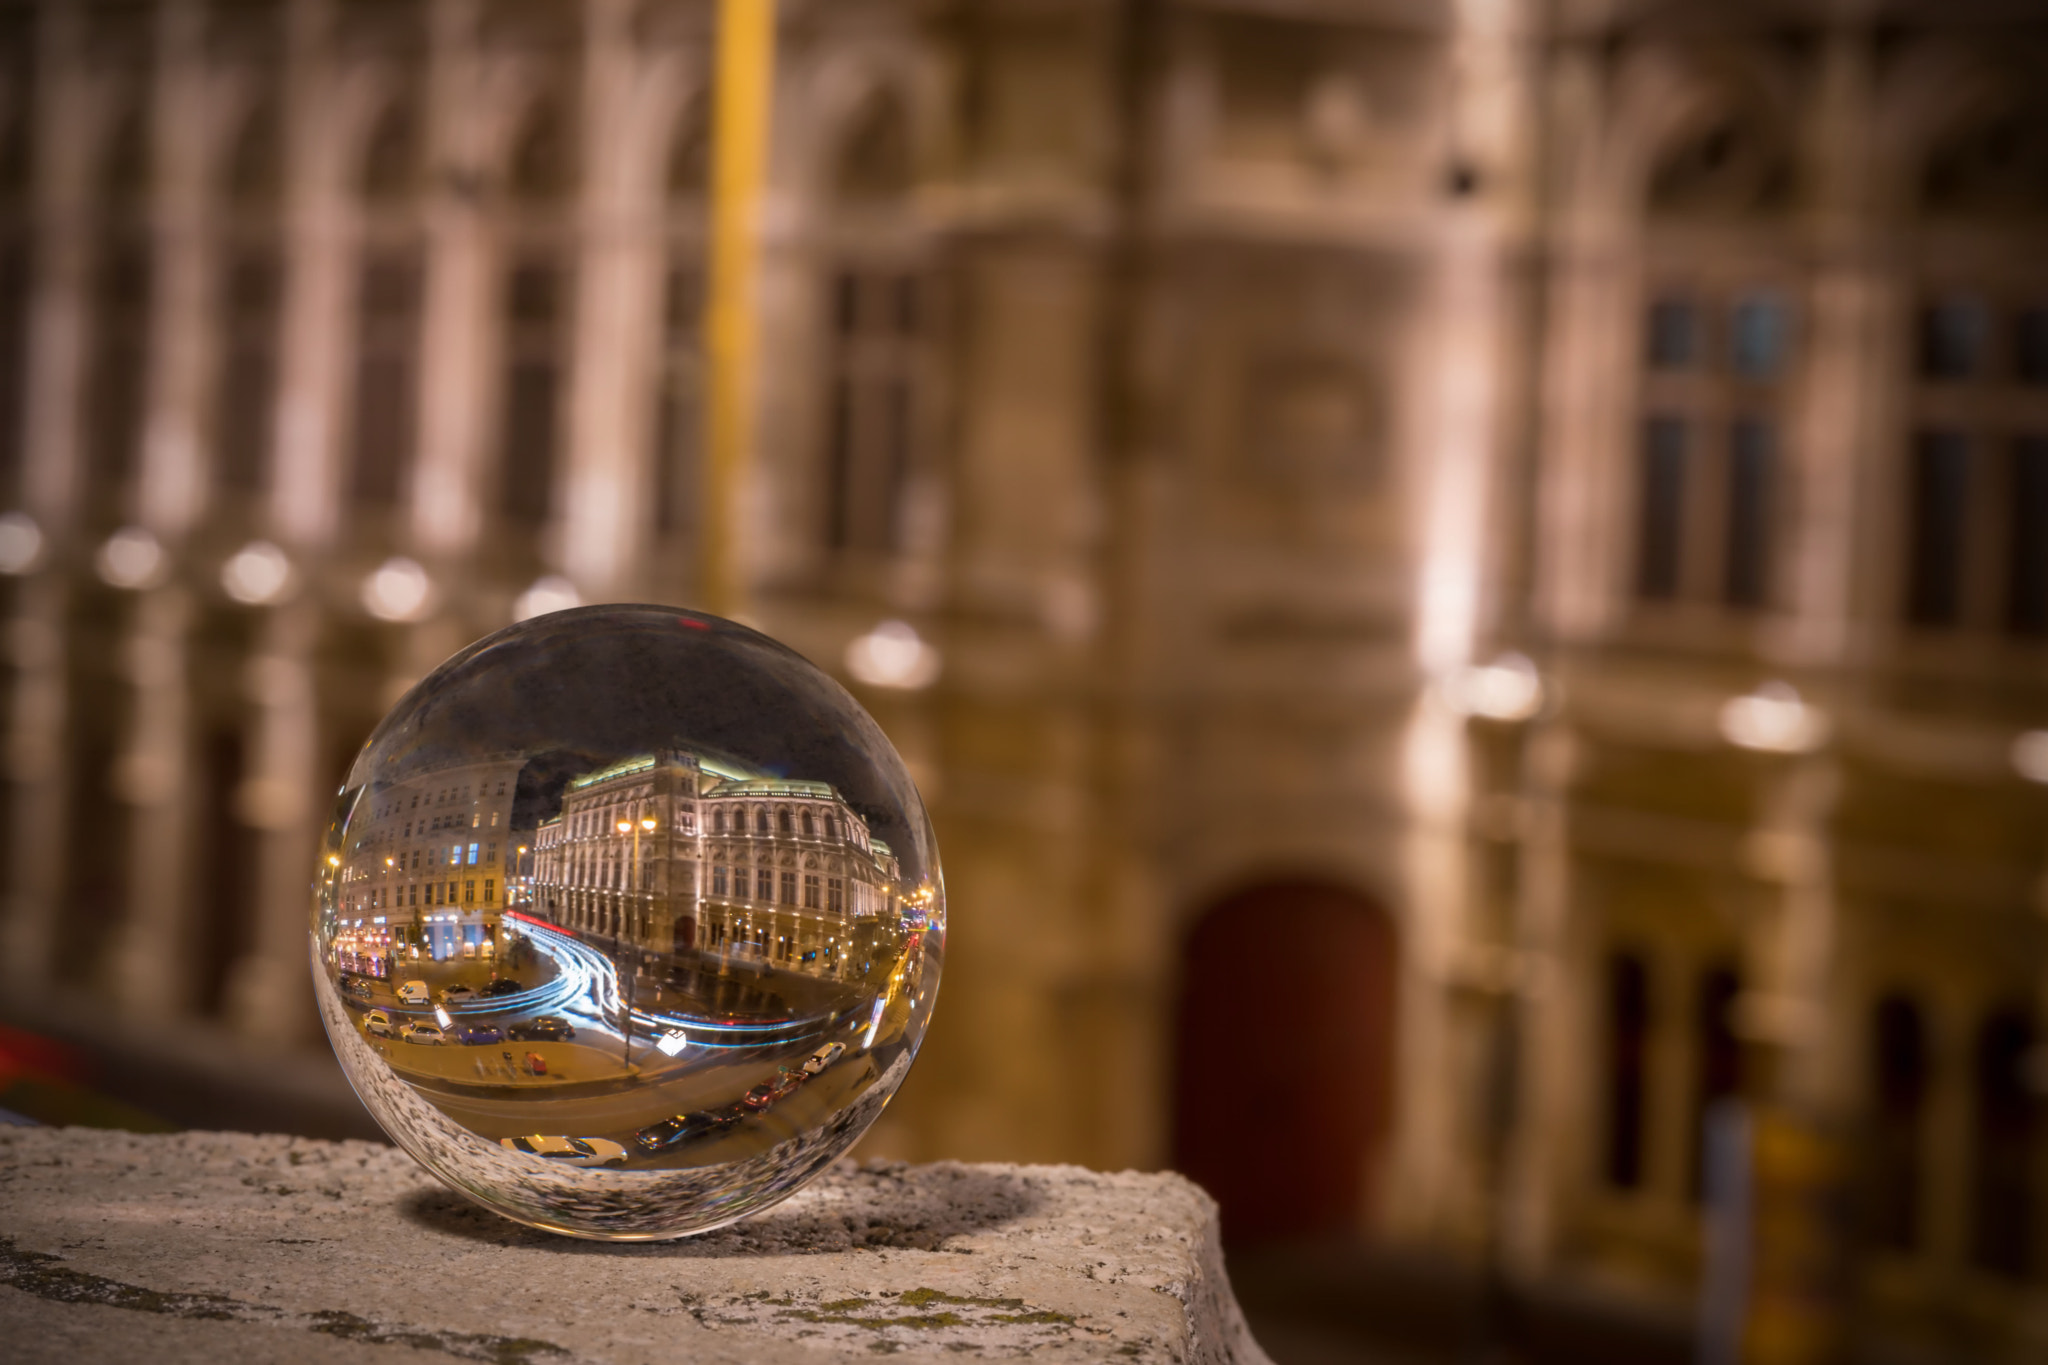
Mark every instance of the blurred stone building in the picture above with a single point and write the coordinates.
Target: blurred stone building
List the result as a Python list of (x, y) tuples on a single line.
[(1490, 561)]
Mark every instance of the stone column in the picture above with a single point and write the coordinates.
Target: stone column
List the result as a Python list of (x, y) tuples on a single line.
[(173, 467), (147, 968), (150, 960), (268, 985), (618, 314), (1849, 403), (35, 768), (1424, 1177), (1544, 1154), (1790, 952), (455, 332), (70, 117), (315, 317)]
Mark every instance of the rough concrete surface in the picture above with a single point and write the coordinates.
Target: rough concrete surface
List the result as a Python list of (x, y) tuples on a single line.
[(220, 1246)]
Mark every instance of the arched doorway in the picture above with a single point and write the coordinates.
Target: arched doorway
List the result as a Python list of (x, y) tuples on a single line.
[(1284, 1058)]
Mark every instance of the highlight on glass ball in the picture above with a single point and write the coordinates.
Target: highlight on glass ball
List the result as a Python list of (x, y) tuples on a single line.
[(628, 922)]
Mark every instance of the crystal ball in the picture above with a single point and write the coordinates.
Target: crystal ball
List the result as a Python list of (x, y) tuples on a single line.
[(628, 922)]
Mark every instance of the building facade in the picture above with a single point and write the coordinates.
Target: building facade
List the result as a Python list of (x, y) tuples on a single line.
[(1565, 481), (428, 873), (667, 855)]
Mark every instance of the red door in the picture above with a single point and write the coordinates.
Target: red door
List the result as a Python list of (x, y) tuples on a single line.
[(1284, 1065)]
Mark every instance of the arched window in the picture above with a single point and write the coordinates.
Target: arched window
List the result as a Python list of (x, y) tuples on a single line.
[(782, 824), (809, 825), (875, 164), (761, 821), (718, 818)]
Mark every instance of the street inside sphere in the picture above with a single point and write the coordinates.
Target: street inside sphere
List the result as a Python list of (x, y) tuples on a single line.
[(628, 922)]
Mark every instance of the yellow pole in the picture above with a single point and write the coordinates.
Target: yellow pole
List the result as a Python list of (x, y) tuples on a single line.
[(739, 152)]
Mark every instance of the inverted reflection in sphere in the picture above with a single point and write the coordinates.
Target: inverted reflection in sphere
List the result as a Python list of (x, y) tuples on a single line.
[(628, 922)]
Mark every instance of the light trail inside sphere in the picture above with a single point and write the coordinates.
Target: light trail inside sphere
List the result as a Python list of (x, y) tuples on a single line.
[(592, 993)]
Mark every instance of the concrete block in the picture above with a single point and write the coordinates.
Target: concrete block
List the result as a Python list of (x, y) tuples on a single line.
[(211, 1247)]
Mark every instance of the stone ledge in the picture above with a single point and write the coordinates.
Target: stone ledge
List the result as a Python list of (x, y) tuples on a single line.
[(209, 1246)]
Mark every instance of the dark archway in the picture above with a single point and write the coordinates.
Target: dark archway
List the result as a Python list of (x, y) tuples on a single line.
[(1283, 1079)]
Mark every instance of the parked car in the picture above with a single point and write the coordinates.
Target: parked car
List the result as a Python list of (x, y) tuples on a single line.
[(377, 1023), (414, 993), (548, 1028), (781, 1085), (659, 1137), (570, 1151), (476, 1035), (504, 985), (457, 995), (428, 1035), (823, 1058)]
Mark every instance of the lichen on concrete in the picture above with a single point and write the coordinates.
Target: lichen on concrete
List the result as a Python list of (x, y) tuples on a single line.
[(203, 1246)]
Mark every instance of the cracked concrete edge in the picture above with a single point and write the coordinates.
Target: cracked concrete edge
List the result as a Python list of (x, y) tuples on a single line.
[(1055, 1262)]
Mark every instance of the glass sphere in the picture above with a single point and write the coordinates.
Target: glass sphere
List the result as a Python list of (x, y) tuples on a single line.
[(628, 922)]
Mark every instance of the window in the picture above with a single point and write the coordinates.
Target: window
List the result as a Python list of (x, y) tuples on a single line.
[(490, 853), (1939, 511), (490, 889), (472, 855), (1898, 1089), (2027, 538), (764, 884), (2004, 1136), (386, 397), (871, 408), (677, 414), (449, 898), (1628, 1066), (1673, 334), (811, 888), (248, 369), (1952, 336), (1750, 455), (718, 879), (760, 822), (718, 821), (535, 308), (1708, 461), (782, 825), (789, 888), (832, 827), (835, 895), (2030, 346), (809, 825), (1758, 336), (1659, 552)]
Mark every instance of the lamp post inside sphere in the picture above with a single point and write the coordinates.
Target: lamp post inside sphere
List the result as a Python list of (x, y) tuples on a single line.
[(625, 825)]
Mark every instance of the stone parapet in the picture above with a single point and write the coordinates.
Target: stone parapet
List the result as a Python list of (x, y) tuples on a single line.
[(210, 1247)]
